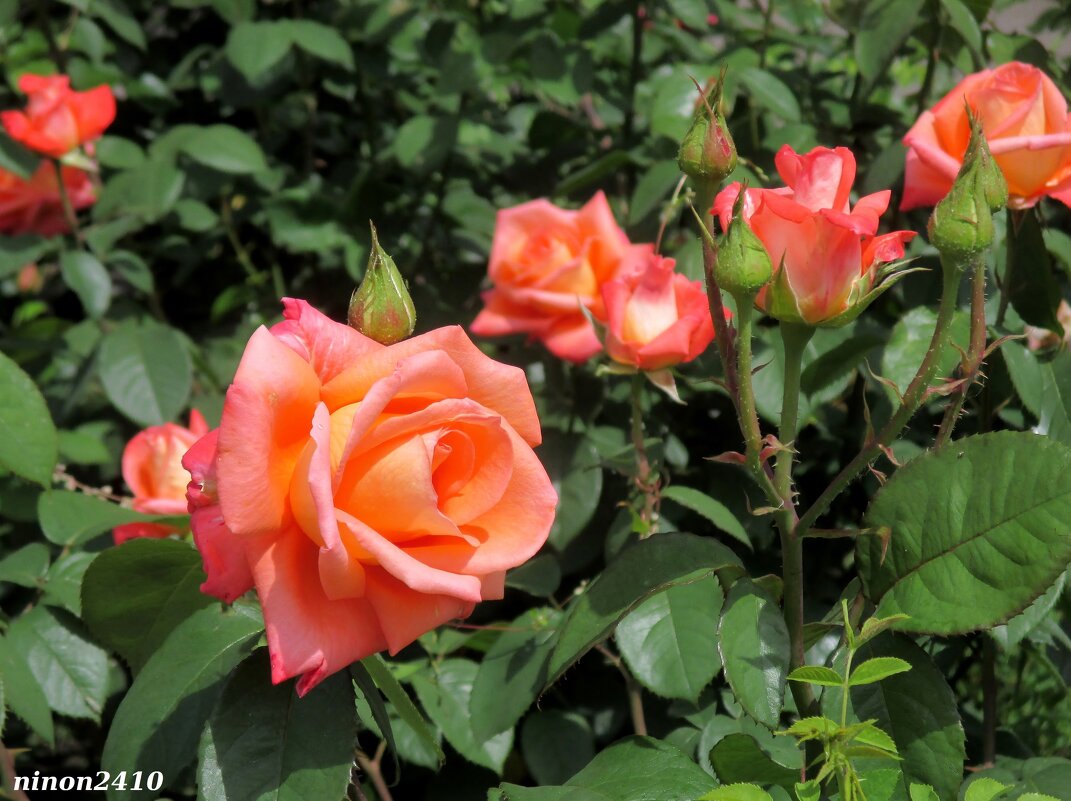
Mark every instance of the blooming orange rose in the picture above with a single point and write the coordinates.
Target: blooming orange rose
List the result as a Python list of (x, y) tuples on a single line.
[(826, 254), (656, 317), (545, 264), (152, 468), (58, 119), (34, 206), (1025, 121), (369, 493)]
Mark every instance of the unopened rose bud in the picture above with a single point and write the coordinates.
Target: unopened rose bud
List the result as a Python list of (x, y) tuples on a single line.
[(380, 307), (743, 266), (962, 223), (707, 151)]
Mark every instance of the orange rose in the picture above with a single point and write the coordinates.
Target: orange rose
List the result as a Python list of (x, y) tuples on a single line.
[(58, 119), (369, 493), (34, 206), (152, 468), (1027, 126), (656, 317), (545, 264), (826, 253)]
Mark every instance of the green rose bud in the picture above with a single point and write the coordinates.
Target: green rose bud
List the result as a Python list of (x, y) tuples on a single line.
[(380, 308), (707, 151), (743, 266), (962, 223)]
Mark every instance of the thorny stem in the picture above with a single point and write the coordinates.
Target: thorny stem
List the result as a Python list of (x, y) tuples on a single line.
[(227, 216), (975, 351), (372, 768), (645, 482), (7, 770), (912, 399), (635, 694), (795, 338), (65, 201), (723, 337)]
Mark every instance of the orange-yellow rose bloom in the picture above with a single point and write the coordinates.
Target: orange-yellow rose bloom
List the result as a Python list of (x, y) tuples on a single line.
[(825, 252), (369, 493), (656, 317), (34, 207), (152, 468), (546, 263), (57, 119), (1026, 124)]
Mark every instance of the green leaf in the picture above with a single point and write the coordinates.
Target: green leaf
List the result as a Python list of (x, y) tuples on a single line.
[(1023, 624), (963, 22), (255, 47), (402, 704), (737, 792), (754, 645), (226, 149), (875, 626), (809, 790), (118, 153), (633, 769), (24, 694), (877, 669), (556, 744), (371, 710), (769, 92), (29, 445), (573, 466), (979, 530), (26, 566), (117, 17), (70, 518), (811, 728), (714, 511), (984, 789), (263, 743), (445, 693), (320, 41), (158, 724), (540, 576), (884, 28), (1029, 280), (73, 671), (838, 362), (63, 584), (161, 587), (639, 572), (917, 709), (739, 758), (653, 189), (148, 192), (18, 251), (17, 159), (668, 640), (146, 371), (815, 674), (513, 672), (86, 276), (922, 792)]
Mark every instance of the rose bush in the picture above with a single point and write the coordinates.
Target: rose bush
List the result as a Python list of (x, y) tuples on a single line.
[(369, 493), (152, 469), (826, 252), (547, 262), (1025, 119)]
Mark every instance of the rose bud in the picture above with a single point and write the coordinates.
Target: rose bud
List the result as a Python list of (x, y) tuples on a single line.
[(707, 151), (57, 119), (743, 266), (380, 307)]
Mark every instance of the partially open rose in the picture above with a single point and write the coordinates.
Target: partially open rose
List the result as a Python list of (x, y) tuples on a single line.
[(58, 119), (152, 468), (369, 493), (1027, 127), (547, 263)]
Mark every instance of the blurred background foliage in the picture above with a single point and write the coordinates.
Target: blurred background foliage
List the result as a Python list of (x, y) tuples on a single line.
[(255, 140)]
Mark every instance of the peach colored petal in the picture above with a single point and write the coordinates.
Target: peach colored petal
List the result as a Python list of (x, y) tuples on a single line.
[(404, 615), (131, 531), (572, 339), (265, 426), (329, 347), (309, 635)]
